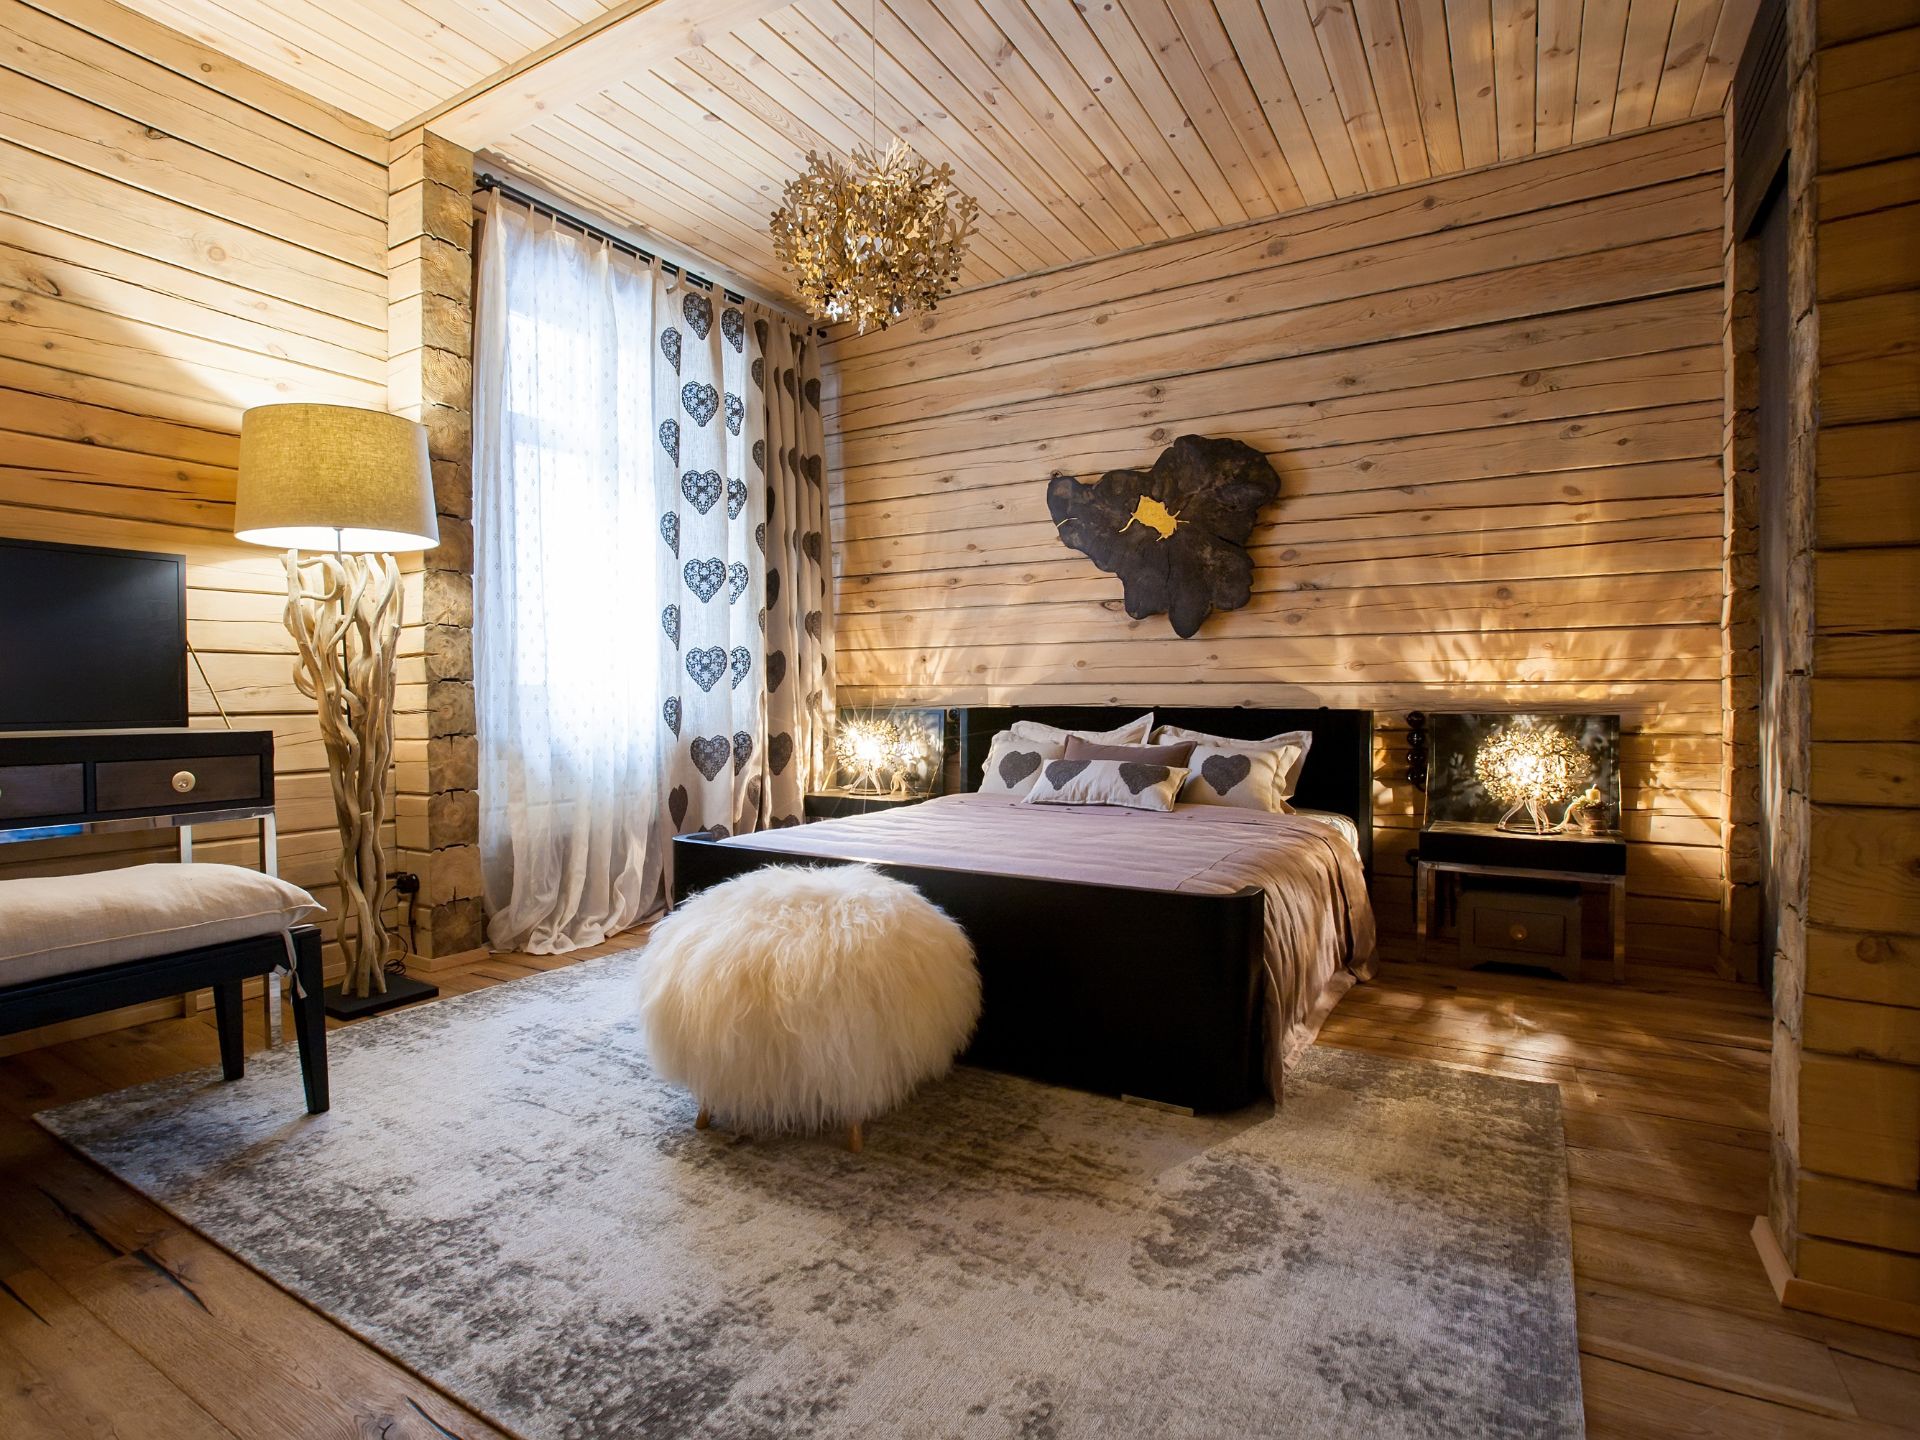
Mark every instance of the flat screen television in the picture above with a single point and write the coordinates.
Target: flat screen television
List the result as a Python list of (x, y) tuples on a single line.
[(91, 639)]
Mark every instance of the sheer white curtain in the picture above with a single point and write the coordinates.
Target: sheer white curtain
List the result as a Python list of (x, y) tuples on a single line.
[(567, 642)]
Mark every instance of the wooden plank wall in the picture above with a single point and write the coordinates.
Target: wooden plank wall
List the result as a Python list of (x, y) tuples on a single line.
[(1858, 1102), (181, 238), (1495, 401)]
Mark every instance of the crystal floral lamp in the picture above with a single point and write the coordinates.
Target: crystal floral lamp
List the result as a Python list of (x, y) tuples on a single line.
[(867, 747), (1527, 767)]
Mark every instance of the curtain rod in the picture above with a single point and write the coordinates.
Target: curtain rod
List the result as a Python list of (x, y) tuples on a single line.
[(587, 227)]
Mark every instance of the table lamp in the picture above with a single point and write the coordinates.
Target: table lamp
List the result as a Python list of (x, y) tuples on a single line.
[(349, 487), (1528, 767)]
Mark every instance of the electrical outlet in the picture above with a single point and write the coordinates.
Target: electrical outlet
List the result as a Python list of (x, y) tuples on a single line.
[(405, 882)]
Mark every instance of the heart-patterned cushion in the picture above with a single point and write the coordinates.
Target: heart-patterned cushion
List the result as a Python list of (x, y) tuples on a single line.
[(1242, 779), (1135, 784), (1013, 766)]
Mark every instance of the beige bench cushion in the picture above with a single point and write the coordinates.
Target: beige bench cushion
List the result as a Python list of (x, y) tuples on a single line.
[(62, 924)]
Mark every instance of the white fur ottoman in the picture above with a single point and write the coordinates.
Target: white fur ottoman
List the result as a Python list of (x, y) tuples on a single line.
[(806, 998)]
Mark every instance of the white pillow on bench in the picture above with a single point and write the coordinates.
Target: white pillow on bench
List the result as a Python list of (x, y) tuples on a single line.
[(63, 924)]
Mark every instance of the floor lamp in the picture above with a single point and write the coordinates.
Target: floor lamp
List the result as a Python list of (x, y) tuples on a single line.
[(348, 487)]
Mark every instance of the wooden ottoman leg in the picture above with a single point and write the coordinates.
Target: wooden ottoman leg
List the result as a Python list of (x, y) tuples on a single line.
[(229, 1021), (855, 1141), (310, 1019), (703, 1119)]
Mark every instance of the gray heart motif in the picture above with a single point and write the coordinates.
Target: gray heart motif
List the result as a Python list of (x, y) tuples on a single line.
[(773, 588), (779, 752), (710, 753), (760, 333), (742, 663), (776, 670), (813, 393), (736, 413), (699, 312), (812, 624), (702, 489), (760, 619), (812, 466), (670, 712), (1016, 765), (810, 545), (670, 530), (760, 453), (760, 537), (705, 577), (706, 666), (677, 806), (736, 580), (700, 400), (742, 750), (755, 789), (759, 373), (1061, 771), (733, 325), (1137, 777), (670, 439), (670, 347), (736, 498), (1223, 772), (670, 622)]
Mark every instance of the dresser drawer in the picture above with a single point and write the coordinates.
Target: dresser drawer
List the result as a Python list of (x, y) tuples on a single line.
[(1530, 931), (201, 781), (29, 792)]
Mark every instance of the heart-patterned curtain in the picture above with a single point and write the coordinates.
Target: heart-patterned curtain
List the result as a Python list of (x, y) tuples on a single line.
[(711, 559), (799, 668)]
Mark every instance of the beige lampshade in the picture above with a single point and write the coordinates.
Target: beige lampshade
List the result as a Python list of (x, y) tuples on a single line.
[(334, 477)]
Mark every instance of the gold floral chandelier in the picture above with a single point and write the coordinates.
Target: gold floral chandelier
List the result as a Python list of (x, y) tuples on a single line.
[(878, 236), (875, 238)]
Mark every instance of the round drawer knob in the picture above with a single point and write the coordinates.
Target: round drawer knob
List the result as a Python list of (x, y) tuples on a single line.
[(184, 781), (1516, 932)]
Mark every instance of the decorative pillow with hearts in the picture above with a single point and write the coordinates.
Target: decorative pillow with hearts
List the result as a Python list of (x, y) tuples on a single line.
[(1293, 745), (1013, 764), (1136, 784), (1248, 779)]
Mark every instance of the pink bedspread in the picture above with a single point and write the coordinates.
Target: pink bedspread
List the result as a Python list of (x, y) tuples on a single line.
[(1320, 935)]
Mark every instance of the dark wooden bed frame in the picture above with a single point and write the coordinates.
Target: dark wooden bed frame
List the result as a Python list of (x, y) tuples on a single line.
[(1150, 994)]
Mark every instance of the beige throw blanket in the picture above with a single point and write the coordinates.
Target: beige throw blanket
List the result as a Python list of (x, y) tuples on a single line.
[(1320, 935)]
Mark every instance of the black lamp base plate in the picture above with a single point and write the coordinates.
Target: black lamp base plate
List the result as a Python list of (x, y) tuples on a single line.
[(401, 990)]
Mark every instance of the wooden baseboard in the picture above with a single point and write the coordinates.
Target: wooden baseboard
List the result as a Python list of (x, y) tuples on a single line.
[(432, 964), (1899, 1316)]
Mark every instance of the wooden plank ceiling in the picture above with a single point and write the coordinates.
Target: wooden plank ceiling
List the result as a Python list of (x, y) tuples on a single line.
[(1082, 129)]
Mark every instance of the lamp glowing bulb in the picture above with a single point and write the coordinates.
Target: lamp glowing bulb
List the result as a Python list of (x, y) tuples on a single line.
[(1526, 767)]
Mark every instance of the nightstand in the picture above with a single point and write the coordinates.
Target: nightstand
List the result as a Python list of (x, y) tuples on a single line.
[(839, 804), (1518, 925)]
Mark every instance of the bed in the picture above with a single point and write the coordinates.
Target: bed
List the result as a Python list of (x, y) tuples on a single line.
[(1183, 958)]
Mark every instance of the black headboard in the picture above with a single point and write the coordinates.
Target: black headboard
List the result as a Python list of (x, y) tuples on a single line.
[(1338, 775)]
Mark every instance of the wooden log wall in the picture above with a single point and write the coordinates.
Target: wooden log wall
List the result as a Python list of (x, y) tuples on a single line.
[(181, 238), (1495, 401), (1846, 1210)]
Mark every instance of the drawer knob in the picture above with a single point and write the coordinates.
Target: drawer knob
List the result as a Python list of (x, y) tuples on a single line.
[(1516, 931), (184, 781)]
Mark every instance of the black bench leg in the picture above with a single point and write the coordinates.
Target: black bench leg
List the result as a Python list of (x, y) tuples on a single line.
[(310, 1019), (227, 1016)]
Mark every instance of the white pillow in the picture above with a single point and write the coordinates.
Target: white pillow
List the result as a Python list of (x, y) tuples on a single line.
[(1300, 741), (63, 924), (1245, 779), (1132, 783), (1012, 764), (1134, 732)]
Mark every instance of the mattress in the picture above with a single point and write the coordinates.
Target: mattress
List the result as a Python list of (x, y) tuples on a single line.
[(1319, 923)]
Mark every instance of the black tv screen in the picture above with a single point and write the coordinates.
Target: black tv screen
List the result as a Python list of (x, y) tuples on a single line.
[(91, 639)]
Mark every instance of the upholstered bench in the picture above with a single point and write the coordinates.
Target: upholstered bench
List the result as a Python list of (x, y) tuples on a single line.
[(74, 945)]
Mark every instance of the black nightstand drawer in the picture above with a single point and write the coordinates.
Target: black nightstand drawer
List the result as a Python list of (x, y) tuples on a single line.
[(1531, 926), (177, 781), (839, 804), (29, 791)]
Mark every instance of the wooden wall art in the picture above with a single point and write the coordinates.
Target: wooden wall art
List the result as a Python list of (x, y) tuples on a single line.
[(1176, 535)]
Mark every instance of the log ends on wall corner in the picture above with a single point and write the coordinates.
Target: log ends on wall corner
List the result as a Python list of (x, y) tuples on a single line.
[(1176, 534)]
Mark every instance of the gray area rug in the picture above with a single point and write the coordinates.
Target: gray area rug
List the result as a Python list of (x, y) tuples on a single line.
[(507, 1201)]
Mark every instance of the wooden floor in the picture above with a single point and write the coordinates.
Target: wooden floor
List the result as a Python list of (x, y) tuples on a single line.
[(115, 1321)]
